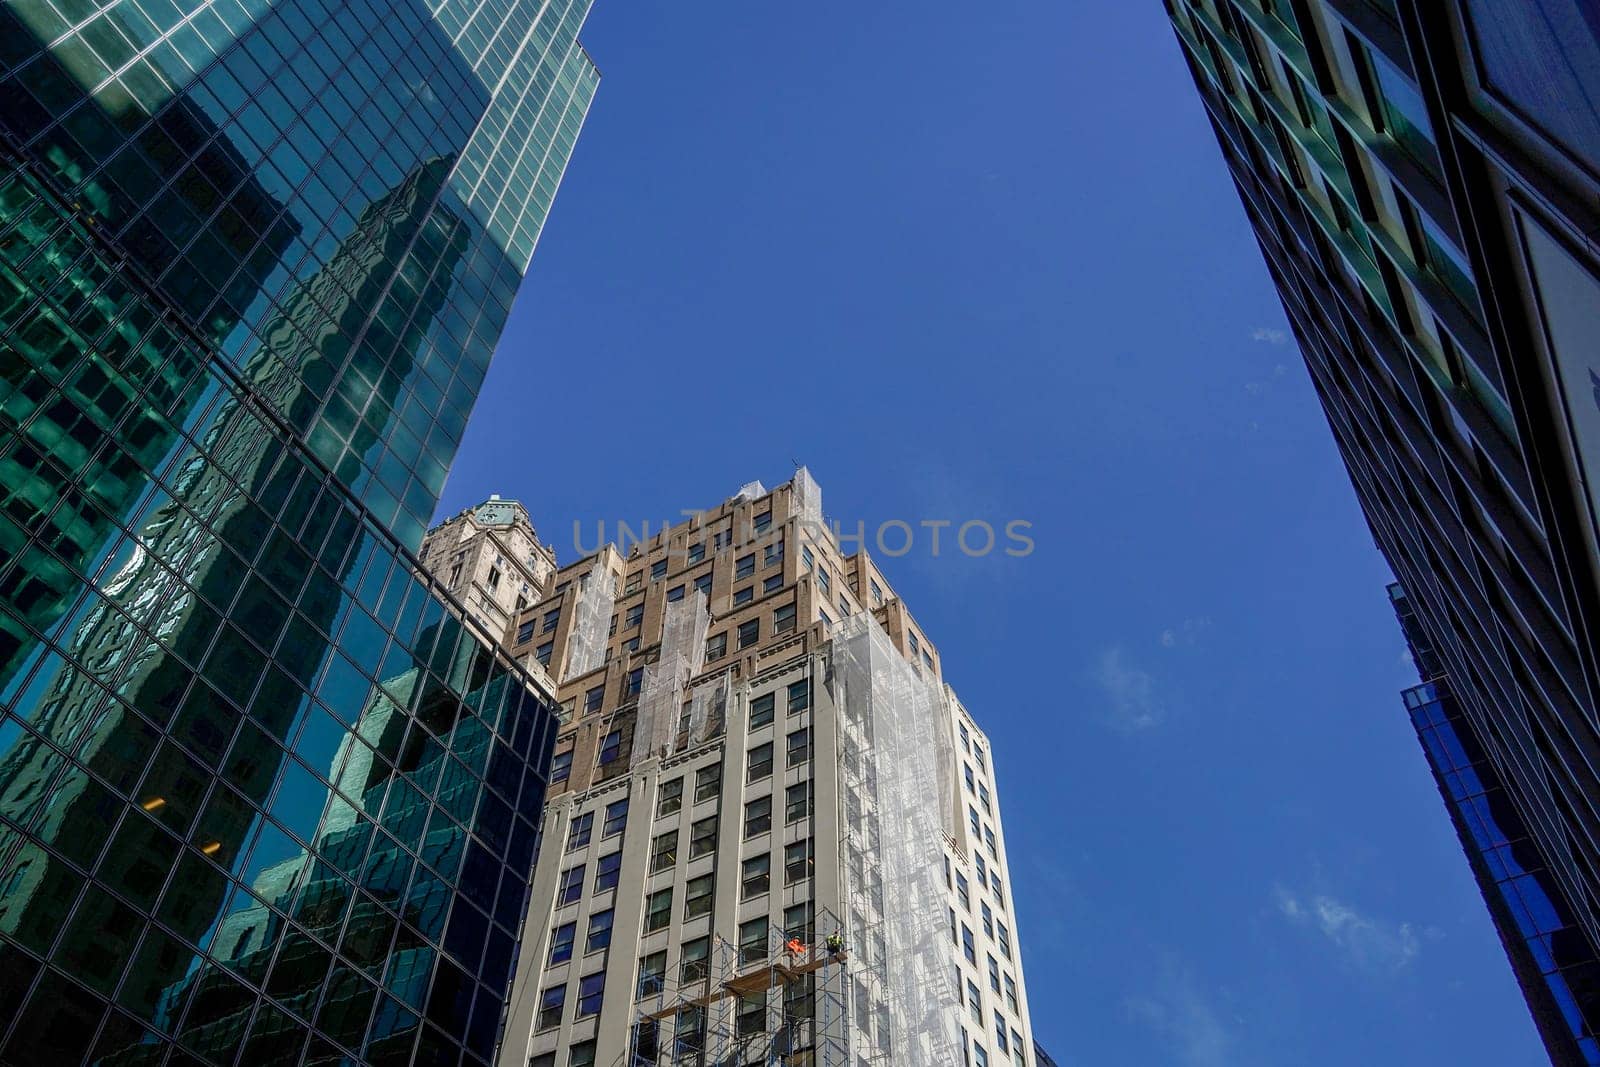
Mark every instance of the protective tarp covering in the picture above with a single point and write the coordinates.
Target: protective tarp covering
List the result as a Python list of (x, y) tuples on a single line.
[(708, 705), (683, 650), (894, 737), (808, 502), (750, 491), (597, 598)]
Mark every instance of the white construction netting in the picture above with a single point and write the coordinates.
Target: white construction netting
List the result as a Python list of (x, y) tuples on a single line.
[(683, 650), (895, 745), (597, 599)]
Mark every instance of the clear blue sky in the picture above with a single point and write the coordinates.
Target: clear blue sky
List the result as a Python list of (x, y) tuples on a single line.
[(984, 262)]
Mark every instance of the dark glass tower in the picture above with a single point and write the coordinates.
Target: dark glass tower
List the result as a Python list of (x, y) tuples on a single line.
[(1423, 177), (262, 799)]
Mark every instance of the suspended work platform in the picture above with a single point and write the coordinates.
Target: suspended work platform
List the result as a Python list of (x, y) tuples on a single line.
[(759, 977)]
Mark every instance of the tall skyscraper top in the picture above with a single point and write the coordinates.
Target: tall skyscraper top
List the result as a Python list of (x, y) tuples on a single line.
[(1423, 179), (265, 797)]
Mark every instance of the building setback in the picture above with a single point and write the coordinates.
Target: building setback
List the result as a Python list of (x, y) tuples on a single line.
[(264, 798), (1422, 176), (757, 748)]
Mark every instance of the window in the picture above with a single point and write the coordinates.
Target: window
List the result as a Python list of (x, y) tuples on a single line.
[(593, 699), (799, 747), (1000, 1032), (671, 797), (703, 584), (962, 893), (749, 633), (773, 554), (591, 991), (703, 837), (569, 707), (716, 647), (693, 959), (525, 632), (757, 816), (664, 851), (760, 765), (983, 874), (599, 931), (797, 802), (634, 682), (652, 973), (989, 842), (616, 818), (551, 617), (635, 580), (916, 646), (877, 592), (972, 819), (761, 710), (783, 619), (797, 862), (561, 942), (755, 876), (972, 783), (827, 620), (697, 896), (695, 553), (966, 738), (744, 566), (544, 652), (606, 872), (580, 830), (658, 570), (675, 593), (744, 596), (980, 1057), (1004, 939), (824, 582), (799, 696), (994, 974), (571, 885), (797, 922), (721, 539), (771, 583), (561, 767), (658, 910), (1017, 1049), (1011, 993), (969, 947), (983, 799), (753, 940), (975, 1001), (763, 522), (611, 747), (550, 1005), (752, 1015), (707, 782)]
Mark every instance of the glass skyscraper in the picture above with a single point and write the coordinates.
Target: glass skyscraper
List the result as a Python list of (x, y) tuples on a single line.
[(1423, 177), (262, 798)]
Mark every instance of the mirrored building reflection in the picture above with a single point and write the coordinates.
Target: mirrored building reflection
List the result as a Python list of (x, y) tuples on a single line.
[(262, 798)]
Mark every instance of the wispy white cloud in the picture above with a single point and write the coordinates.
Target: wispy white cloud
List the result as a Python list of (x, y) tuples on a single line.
[(1270, 335), (1134, 704), (1366, 941), (1186, 632), (1182, 1016)]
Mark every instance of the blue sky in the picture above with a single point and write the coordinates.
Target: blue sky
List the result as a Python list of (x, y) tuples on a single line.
[(984, 262)]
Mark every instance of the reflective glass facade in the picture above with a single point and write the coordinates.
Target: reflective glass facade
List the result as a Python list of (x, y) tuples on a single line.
[(261, 798), (1421, 176)]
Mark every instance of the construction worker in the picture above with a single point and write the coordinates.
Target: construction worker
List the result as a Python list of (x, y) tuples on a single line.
[(835, 944), (796, 947)]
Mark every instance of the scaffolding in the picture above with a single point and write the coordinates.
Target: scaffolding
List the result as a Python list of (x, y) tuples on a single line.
[(895, 755), (779, 1002), (661, 698), (591, 623)]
